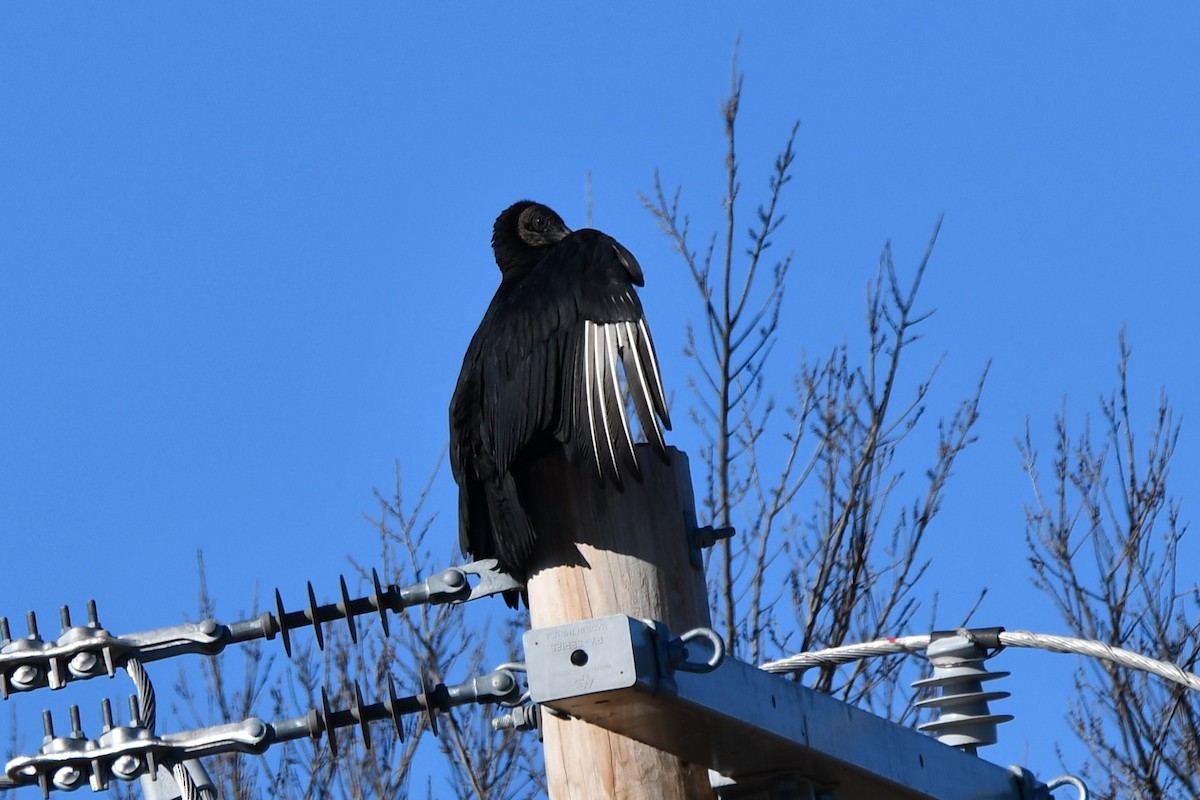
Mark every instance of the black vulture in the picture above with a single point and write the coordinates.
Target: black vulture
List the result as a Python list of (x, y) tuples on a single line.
[(561, 348)]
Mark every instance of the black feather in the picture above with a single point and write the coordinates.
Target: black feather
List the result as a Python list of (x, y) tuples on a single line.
[(561, 345)]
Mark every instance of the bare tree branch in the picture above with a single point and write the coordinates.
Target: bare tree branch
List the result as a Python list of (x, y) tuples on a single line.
[(1103, 536)]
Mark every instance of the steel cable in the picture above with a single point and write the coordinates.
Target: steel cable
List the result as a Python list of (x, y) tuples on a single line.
[(1041, 641), (147, 704)]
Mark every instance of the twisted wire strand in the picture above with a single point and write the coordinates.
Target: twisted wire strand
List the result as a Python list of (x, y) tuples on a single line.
[(148, 713), (849, 653), (187, 784), (1040, 641), (183, 778), (1089, 647), (147, 704)]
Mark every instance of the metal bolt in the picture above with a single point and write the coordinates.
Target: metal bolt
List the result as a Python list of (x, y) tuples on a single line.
[(83, 663), (503, 681), (208, 627), (25, 677), (521, 718), (67, 778), (126, 766)]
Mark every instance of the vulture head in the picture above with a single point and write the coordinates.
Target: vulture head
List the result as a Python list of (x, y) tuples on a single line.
[(523, 233)]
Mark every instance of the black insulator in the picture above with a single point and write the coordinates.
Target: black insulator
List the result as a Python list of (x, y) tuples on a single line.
[(327, 722), (313, 618), (393, 707), (377, 601), (427, 703), (284, 634), (345, 607), (361, 717)]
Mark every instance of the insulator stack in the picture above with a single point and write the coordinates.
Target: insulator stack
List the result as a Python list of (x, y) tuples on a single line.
[(135, 751), (87, 651), (964, 721), (131, 752), (449, 585)]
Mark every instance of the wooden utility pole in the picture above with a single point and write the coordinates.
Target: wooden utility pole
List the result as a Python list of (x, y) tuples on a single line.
[(601, 551)]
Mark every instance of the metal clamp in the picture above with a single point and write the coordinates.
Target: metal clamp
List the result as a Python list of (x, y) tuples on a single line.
[(704, 537), (131, 751), (452, 586)]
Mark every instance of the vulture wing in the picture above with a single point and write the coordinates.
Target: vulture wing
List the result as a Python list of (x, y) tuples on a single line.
[(559, 353)]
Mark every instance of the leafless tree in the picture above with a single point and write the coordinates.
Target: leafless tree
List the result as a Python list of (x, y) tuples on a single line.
[(483, 763), (809, 489), (739, 323), (231, 689), (431, 643), (1103, 535), (831, 493)]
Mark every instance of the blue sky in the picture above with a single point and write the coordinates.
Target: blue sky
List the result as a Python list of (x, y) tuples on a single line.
[(243, 247)]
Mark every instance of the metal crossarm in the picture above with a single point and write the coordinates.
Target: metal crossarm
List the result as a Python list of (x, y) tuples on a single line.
[(745, 723)]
